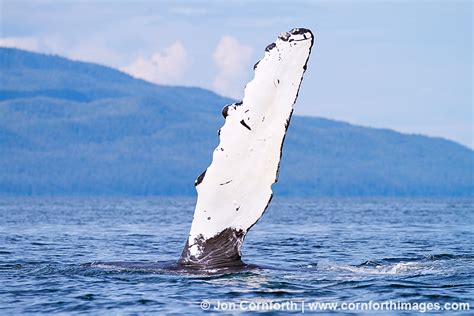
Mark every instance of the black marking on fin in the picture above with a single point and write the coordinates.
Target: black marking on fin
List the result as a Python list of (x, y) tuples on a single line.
[(270, 47), (200, 178), (225, 111), (226, 182), (284, 36), (300, 30), (288, 120), (245, 124)]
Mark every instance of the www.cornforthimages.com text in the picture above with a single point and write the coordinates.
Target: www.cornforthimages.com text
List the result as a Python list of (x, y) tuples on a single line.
[(313, 306)]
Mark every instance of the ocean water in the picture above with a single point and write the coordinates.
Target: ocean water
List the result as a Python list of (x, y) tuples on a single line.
[(55, 256)]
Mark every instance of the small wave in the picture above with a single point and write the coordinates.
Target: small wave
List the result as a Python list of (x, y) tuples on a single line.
[(445, 256), (10, 266), (427, 264), (423, 258), (398, 268), (130, 266)]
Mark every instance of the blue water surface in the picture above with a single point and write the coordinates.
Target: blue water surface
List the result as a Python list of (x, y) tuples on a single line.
[(52, 254)]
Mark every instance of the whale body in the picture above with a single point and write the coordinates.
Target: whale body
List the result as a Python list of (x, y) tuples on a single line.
[(236, 189)]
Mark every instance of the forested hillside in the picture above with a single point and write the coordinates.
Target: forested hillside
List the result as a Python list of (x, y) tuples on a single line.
[(74, 128)]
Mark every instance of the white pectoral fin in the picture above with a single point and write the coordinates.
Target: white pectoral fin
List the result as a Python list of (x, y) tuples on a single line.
[(236, 189)]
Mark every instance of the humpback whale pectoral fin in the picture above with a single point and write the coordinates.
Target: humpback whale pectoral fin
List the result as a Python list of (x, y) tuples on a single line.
[(236, 189)]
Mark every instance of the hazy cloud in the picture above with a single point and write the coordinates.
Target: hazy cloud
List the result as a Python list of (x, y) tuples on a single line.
[(232, 60), (50, 44), (92, 50), (189, 11), (27, 43), (166, 67)]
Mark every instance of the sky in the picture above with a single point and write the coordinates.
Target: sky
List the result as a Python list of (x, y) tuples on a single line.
[(403, 65)]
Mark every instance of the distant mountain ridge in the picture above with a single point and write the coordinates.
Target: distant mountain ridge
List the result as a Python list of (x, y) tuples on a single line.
[(76, 128)]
